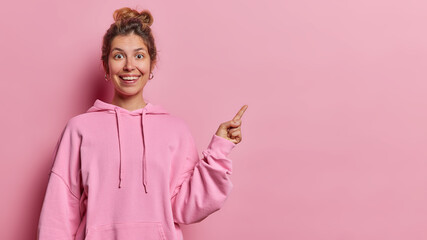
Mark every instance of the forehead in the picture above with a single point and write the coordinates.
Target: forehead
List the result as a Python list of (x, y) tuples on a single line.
[(128, 42)]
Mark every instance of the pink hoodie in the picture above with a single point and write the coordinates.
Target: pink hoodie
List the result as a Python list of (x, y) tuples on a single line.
[(128, 175)]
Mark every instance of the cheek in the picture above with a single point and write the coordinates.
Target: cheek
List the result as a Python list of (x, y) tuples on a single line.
[(114, 68), (144, 68)]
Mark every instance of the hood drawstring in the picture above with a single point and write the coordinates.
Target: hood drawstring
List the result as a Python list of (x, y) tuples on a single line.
[(116, 110), (101, 106), (144, 165)]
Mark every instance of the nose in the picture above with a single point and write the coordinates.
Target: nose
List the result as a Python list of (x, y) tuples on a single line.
[(129, 65)]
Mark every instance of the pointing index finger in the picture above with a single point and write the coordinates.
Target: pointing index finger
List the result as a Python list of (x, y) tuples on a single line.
[(240, 113)]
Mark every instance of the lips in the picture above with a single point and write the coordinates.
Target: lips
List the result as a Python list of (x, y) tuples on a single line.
[(129, 79)]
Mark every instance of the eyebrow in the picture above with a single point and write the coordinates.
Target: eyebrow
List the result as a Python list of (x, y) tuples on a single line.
[(119, 49)]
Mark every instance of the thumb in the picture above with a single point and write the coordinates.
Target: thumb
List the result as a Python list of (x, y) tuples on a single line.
[(232, 123)]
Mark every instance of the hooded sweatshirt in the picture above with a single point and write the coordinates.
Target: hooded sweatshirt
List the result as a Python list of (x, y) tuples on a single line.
[(128, 175)]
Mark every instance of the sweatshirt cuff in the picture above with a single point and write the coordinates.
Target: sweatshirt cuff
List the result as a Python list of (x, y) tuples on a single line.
[(221, 145)]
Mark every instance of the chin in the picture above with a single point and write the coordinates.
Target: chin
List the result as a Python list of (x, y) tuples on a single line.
[(128, 92)]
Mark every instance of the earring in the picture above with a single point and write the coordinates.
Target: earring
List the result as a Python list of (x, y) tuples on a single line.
[(151, 75), (106, 79)]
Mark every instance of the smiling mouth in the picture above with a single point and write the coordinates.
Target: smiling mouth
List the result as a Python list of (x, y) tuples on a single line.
[(129, 79)]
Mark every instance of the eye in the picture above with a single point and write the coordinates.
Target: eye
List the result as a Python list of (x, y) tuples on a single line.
[(140, 56), (118, 56)]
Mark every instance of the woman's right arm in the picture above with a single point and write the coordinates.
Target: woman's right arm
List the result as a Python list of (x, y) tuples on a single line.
[(61, 213)]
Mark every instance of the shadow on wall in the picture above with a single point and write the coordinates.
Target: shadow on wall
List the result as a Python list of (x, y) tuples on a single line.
[(97, 87)]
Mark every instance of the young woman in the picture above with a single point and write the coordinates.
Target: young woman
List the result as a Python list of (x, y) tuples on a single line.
[(128, 169)]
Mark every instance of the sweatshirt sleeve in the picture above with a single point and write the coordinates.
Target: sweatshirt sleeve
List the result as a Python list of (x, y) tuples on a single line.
[(204, 184), (61, 213)]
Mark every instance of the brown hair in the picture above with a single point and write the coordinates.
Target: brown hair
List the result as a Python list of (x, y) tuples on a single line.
[(129, 21)]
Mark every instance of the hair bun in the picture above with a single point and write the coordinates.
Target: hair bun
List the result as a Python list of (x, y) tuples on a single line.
[(146, 17), (126, 13)]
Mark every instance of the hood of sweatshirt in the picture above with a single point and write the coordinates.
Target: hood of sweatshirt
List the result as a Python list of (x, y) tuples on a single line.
[(149, 109)]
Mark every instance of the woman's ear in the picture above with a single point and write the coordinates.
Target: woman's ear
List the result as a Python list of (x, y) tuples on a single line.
[(153, 65)]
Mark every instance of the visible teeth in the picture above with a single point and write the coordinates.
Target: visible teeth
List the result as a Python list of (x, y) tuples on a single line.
[(129, 78)]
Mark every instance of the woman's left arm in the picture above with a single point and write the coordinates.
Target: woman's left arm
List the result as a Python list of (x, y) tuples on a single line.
[(205, 185)]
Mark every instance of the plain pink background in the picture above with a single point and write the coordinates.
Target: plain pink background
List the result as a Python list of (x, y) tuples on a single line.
[(334, 139)]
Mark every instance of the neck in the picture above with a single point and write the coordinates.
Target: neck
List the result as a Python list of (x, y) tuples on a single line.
[(129, 103)]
